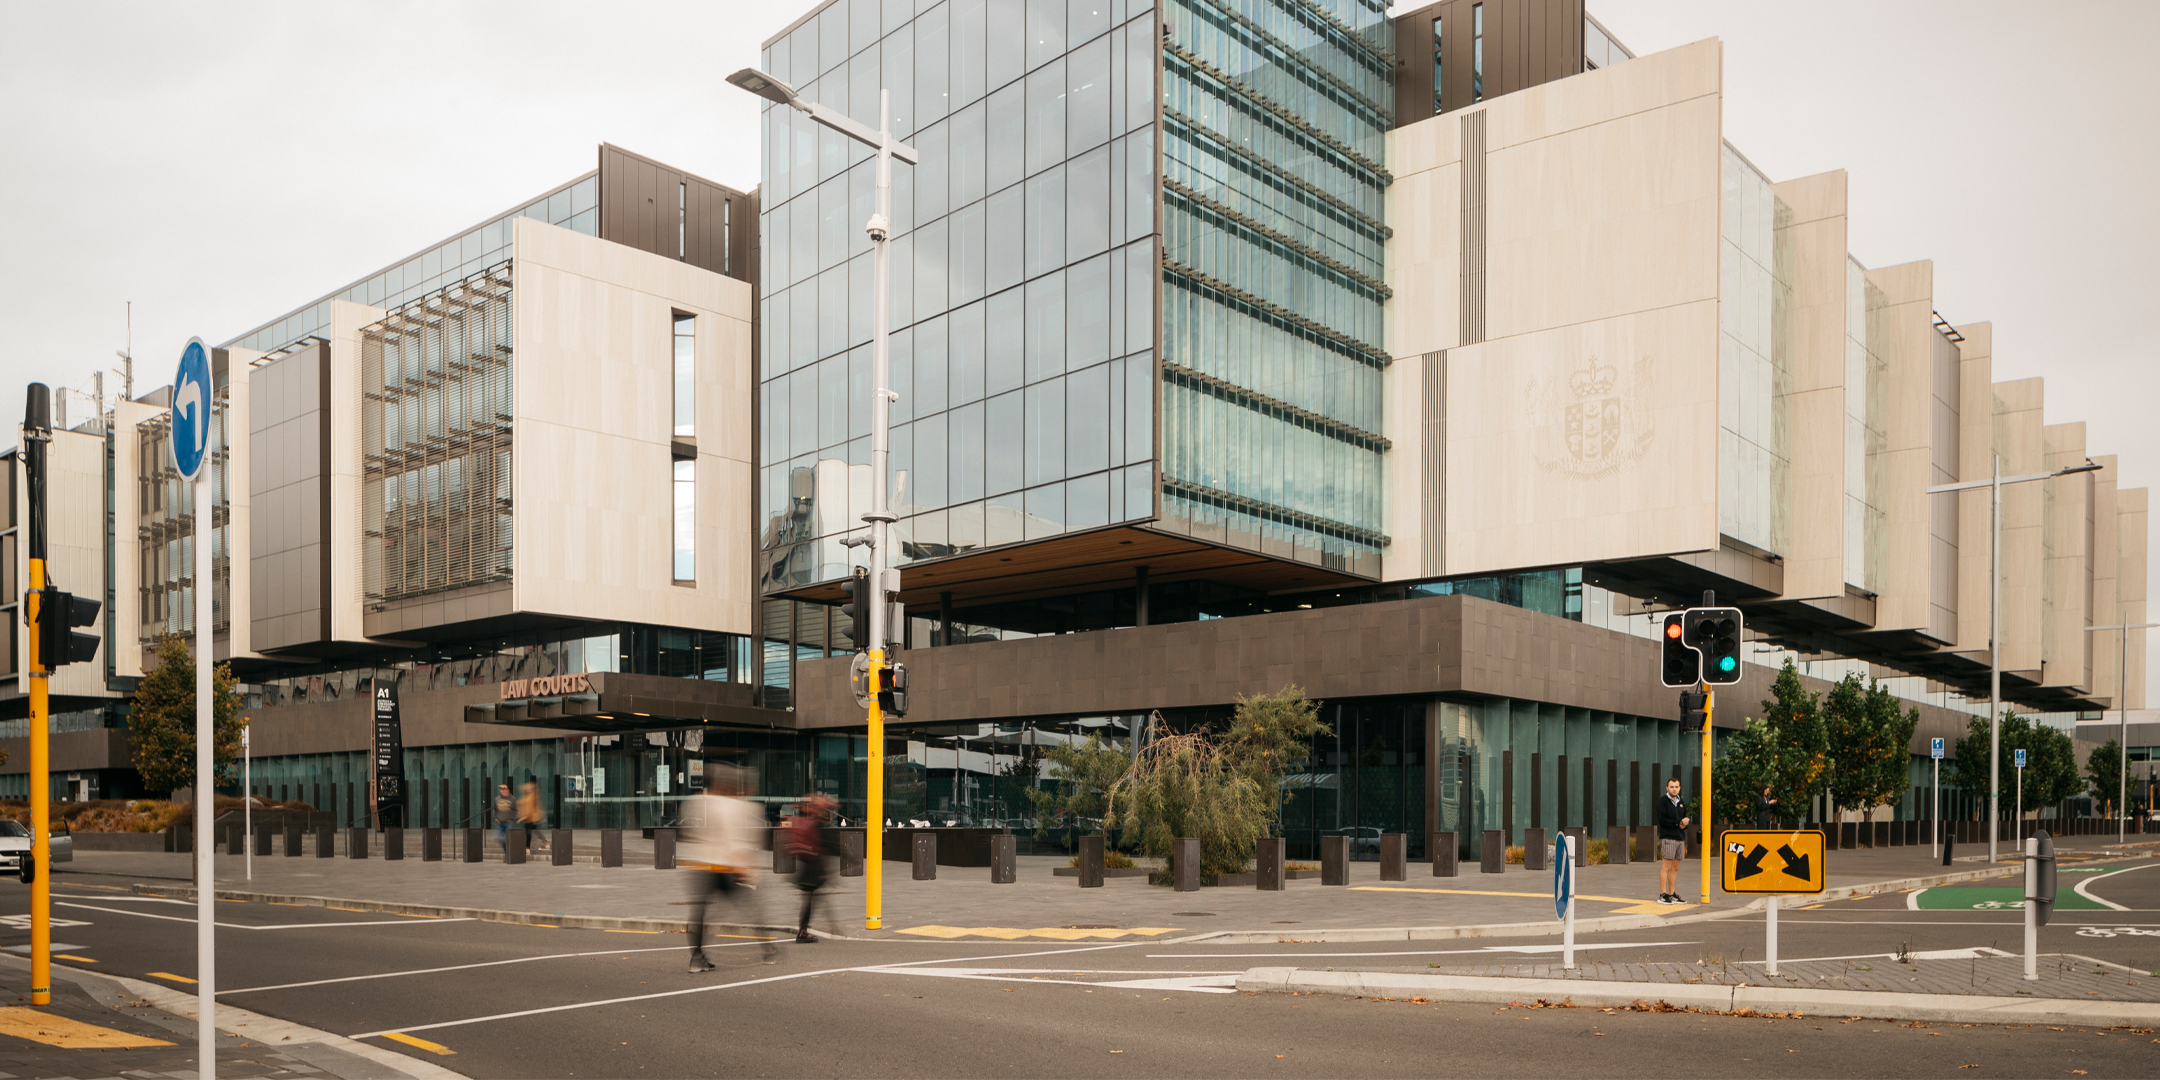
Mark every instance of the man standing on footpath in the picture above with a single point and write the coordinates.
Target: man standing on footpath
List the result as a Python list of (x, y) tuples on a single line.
[(1672, 823)]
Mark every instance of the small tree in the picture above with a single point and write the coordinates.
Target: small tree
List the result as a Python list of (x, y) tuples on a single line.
[(2050, 762), (1786, 749), (1185, 786), (1850, 728), (1267, 733), (2103, 767), (1888, 764), (161, 724), (1081, 778)]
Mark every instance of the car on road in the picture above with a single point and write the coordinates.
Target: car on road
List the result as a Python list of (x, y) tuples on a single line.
[(15, 843)]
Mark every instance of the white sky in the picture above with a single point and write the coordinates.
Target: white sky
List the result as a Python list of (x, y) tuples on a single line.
[(222, 163)]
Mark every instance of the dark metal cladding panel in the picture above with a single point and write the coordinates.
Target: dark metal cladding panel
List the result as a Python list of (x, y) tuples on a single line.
[(1527, 43)]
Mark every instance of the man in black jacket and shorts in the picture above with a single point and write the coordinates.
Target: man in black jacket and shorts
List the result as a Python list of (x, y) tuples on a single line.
[(1672, 823)]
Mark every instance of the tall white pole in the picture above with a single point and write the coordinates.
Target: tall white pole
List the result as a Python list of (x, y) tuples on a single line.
[(1994, 654), (247, 797), (1771, 945), (205, 790), (2122, 743), (2017, 819), (880, 230), (2032, 908), (1937, 789)]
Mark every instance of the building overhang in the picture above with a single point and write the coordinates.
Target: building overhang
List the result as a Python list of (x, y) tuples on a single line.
[(610, 702)]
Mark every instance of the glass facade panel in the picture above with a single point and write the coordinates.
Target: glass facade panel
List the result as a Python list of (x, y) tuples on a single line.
[(1754, 367), (1867, 437)]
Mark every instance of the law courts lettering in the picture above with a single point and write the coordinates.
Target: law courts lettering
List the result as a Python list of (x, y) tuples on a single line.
[(546, 686)]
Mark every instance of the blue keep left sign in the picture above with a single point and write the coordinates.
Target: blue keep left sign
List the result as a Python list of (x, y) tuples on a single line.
[(192, 392), (1563, 876)]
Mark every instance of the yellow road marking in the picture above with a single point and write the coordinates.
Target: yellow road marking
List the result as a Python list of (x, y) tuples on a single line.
[(78, 959), (421, 1043), (229, 900), (1058, 932), (38, 1025), (542, 926), (280, 903), (173, 977), (361, 910)]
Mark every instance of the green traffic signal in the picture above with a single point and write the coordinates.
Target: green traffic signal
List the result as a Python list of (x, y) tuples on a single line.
[(1727, 664)]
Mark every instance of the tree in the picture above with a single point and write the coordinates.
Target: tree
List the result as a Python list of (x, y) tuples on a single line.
[(1267, 733), (1081, 778), (1851, 731), (2103, 767), (1787, 749), (1881, 768), (161, 723), (2050, 762)]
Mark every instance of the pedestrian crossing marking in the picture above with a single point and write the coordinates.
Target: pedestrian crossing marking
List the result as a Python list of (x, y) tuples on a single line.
[(1060, 933), (37, 1025), (419, 1042), (173, 977)]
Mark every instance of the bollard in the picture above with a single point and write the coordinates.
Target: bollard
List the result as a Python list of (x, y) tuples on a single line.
[(1616, 842), (515, 853), (926, 856), (263, 838), (1091, 862), (1334, 860), (783, 860), (1185, 864), (232, 839), (292, 841), (1949, 841), (1394, 857), (561, 848), (851, 859), (663, 849), (1269, 862), (1004, 859), (475, 845), (611, 847), (1444, 852), (393, 843), (356, 842), (1492, 852), (325, 842), (431, 844), (1582, 844), (1533, 849), (1646, 843)]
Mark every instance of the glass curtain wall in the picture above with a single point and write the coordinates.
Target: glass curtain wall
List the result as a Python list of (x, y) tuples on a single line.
[(1754, 364), (1023, 280), (1509, 765), (1867, 439), (166, 535), (1274, 117)]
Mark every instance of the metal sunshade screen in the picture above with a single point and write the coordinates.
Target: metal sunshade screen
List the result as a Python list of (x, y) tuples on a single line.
[(435, 386), (166, 512)]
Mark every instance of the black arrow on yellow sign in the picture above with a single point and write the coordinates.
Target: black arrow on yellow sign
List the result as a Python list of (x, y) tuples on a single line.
[(1795, 865), (1750, 864)]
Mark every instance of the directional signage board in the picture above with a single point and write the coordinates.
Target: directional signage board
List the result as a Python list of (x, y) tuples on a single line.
[(1935, 749), (191, 396), (1773, 861), (1563, 875), (2021, 759)]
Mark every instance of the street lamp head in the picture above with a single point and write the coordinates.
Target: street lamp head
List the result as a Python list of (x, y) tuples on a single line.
[(764, 86), (2089, 466)]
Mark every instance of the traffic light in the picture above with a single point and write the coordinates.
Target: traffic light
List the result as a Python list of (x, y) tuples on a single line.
[(1694, 715), (2040, 879), (1715, 633), (857, 608), (892, 693), (1683, 665), (59, 642)]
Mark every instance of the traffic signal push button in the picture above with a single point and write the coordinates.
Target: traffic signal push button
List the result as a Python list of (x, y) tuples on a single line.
[(1773, 861)]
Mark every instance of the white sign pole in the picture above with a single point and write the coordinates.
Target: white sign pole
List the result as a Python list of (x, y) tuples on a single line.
[(2032, 908), (247, 807), (1567, 934), (1936, 788), (1771, 967), (205, 790)]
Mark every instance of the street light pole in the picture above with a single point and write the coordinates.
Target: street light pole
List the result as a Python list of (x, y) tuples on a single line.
[(2122, 708), (884, 583), (1994, 483)]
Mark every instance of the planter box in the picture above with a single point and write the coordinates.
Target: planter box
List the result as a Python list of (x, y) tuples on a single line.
[(1248, 880), (1296, 874), (1108, 871)]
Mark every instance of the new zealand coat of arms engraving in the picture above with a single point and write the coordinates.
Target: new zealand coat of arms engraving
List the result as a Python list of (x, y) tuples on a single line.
[(1591, 424)]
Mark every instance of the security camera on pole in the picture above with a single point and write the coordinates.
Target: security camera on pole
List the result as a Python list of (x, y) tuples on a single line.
[(192, 395), (884, 581)]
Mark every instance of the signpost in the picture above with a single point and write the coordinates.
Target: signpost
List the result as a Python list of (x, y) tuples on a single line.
[(389, 756), (1563, 892), (192, 394), (2019, 819), (2039, 895), (1773, 862), (1935, 751)]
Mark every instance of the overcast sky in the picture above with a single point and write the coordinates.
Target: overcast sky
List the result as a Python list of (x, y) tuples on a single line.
[(222, 163)]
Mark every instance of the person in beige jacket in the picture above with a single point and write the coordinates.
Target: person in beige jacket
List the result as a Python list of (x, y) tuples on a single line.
[(721, 845)]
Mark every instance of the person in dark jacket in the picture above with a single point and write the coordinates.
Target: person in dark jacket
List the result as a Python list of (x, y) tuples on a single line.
[(1672, 823), (810, 839), (1766, 809)]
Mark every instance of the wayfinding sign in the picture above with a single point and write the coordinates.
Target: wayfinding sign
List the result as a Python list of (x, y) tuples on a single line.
[(192, 393), (1775, 861), (1935, 749)]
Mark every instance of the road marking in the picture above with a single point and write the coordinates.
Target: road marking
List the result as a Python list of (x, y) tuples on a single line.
[(421, 1043), (2081, 886), (22, 922), (410, 915), (246, 926), (636, 931), (1487, 950), (1203, 984), (77, 959), (455, 967), (1635, 904), (173, 977), (37, 1025), (1058, 933)]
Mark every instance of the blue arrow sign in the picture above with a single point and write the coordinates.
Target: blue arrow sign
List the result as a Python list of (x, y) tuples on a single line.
[(192, 392), (1935, 749), (2021, 759), (1563, 876)]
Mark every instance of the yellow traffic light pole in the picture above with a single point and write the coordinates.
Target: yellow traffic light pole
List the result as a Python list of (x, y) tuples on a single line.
[(37, 432), (874, 816), (1709, 712)]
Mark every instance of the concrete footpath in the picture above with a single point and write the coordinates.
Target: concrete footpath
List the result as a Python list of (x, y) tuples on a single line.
[(964, 903), (106, 1026)]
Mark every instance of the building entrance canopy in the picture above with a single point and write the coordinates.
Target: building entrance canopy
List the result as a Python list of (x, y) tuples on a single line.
[(608, 701)]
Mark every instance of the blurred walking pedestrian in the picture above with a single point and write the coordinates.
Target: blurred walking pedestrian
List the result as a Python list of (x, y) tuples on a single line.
[(721, 841), (529, 817), (810, 841), (505, 813)]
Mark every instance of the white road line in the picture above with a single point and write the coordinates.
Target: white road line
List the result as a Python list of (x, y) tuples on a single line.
[(1204, 984), (1912, 899), (2087, 883), (465, 967), (1487, 950), (605, 1001), (280, 926)]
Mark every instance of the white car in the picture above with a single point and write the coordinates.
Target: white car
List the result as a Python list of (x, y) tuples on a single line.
[(15, 843)]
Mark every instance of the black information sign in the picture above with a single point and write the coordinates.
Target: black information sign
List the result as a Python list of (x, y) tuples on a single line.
[(389, 757)]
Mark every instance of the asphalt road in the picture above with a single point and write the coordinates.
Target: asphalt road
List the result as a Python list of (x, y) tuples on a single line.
[(519, 1001)]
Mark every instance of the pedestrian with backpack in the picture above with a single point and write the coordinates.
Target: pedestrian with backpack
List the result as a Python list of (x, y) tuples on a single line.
[(809, 840)]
